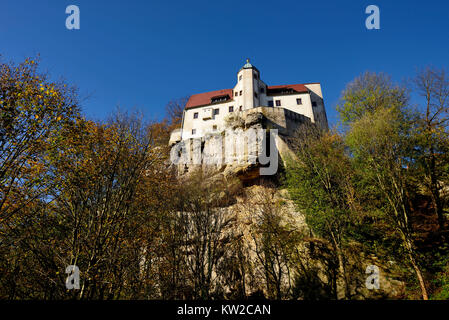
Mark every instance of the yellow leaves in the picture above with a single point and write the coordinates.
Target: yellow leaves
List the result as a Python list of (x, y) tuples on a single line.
[(54, 93), (36, 116), (49, 90)]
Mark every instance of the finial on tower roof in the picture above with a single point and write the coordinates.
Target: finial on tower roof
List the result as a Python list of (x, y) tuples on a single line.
[(247, 64)]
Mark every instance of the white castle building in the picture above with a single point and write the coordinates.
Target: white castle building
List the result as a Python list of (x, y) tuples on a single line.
[(207, 112)]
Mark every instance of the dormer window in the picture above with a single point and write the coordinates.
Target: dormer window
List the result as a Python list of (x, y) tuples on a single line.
[(279, 91), (219, 99)]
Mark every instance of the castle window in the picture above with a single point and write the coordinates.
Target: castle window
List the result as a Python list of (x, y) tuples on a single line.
[(299, 101), (231, 109), (270, 103), (255, 94), (214, 127), (241, 92), (236, 93), (240, 108), (195, 115), (262, 90), (240, 78), (278, 103), (193, 131), (216, 111), (313, 103)]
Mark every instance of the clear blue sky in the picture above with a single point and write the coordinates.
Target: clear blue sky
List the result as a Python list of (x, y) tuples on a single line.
[(140, 54)]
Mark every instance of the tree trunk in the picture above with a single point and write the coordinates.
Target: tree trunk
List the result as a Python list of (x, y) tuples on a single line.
[(417, 271)]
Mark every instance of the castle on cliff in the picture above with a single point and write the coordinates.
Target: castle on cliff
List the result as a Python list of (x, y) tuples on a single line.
[(250, 104)]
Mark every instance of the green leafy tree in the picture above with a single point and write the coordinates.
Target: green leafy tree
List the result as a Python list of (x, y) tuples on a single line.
[(320, 183), (380, 136)]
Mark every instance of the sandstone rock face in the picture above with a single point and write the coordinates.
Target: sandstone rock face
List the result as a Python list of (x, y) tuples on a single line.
[(311, 275), (238, 149)]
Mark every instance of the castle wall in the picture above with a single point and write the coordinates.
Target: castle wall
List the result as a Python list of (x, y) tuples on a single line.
[(288, 102), (205, 126), (249, 93)]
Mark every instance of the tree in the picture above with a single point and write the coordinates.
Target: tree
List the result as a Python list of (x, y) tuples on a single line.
[(432, 141), (320, 183), (269, 237), (32, 111), (380, 136), (206, 229), (367, 93), (100, 169), (175, 111)]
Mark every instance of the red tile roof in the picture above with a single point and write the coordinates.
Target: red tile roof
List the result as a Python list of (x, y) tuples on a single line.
[(202, 99), (296, 87)]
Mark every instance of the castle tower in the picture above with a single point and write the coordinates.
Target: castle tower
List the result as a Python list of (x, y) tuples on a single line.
[(247, 80)]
